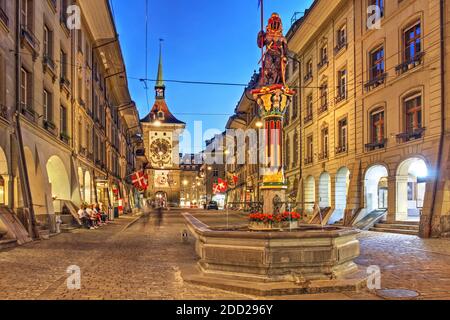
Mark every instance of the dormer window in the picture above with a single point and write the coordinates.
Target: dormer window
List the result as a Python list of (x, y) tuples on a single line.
[(160, 115)]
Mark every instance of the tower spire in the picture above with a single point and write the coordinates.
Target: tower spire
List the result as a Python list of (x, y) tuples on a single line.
[(160, 86)]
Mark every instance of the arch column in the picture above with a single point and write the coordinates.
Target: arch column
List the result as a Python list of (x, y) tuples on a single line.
[(401, 212), (392, 199)]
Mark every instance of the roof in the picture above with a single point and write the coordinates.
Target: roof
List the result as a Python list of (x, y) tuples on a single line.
[(161, 106)]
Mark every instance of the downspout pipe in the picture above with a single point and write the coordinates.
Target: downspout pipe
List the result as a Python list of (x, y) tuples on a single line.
[(433, 215)]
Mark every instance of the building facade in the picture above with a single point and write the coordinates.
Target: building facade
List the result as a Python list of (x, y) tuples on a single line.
[(69, 129), (373, 111)]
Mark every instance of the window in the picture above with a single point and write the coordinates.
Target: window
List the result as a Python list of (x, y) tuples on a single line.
[(325, 143), (309, 150), (309, 70), (309, 108), (26, 89), (294, 107), (323, 97), (323, 56), (342, 85), (376, 134), (63, 65), (26, 14), (80, 89), (64, 6), (376, 63), (80, 40), (47, 104), (413, 114), (288, 152), (342, 136), (341, 38), (80, 135), (48, 43), (379, 4), (63, 120), (412, 42), (295, 150)]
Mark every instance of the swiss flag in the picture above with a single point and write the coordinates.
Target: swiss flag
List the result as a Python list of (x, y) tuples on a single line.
[(223, 185), (140, 180)]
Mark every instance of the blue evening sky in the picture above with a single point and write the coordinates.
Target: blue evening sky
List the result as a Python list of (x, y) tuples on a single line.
[(204, 40)]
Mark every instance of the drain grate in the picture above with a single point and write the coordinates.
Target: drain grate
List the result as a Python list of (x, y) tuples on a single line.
[(397, 294)]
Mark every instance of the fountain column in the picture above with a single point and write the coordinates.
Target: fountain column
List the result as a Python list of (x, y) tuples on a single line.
[(273, 101)]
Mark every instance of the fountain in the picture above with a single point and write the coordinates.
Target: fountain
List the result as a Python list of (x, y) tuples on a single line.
[(275, 255)]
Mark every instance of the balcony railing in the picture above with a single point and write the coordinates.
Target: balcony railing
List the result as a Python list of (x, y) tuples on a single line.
[(341, 45), (411, 64), (411, 135), (65, 83), (342, 95), (49, 63), (322, 63), (81, 103), (308, 118), (30, 39), (29, 113), (323, 156), (323, 108), (376, 145), (3, 111), (308, 77), (4, 17), (375, 82), (341, 149), (64, 137), (50, 127), (308, 160)]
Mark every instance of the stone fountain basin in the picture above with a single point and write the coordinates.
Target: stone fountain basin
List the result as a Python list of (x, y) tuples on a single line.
[(308, 256)]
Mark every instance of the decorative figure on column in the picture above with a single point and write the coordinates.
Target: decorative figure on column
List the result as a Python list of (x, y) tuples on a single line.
[(274, 60), (273, 97)]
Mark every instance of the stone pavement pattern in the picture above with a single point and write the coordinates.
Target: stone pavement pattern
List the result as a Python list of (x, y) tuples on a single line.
[(145, 262)]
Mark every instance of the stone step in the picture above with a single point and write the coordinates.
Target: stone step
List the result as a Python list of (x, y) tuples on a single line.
[(397, 226), (399, 231), (67, 228), (7, 243)]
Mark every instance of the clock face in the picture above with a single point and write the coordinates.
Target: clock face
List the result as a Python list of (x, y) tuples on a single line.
[(160, 151)]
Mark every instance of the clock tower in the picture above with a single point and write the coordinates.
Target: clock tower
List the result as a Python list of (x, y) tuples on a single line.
[(161, 132)]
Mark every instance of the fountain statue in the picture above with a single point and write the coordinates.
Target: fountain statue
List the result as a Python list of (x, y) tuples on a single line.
[(267, 258)]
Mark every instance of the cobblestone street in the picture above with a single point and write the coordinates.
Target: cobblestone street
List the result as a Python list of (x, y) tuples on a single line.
[(144, 261)]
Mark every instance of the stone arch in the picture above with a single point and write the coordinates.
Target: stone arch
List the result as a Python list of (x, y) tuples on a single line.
[(324, 190), (310, 193), (88, 190), (411, 181), (375, 188), (341, 190), (59, 182)]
